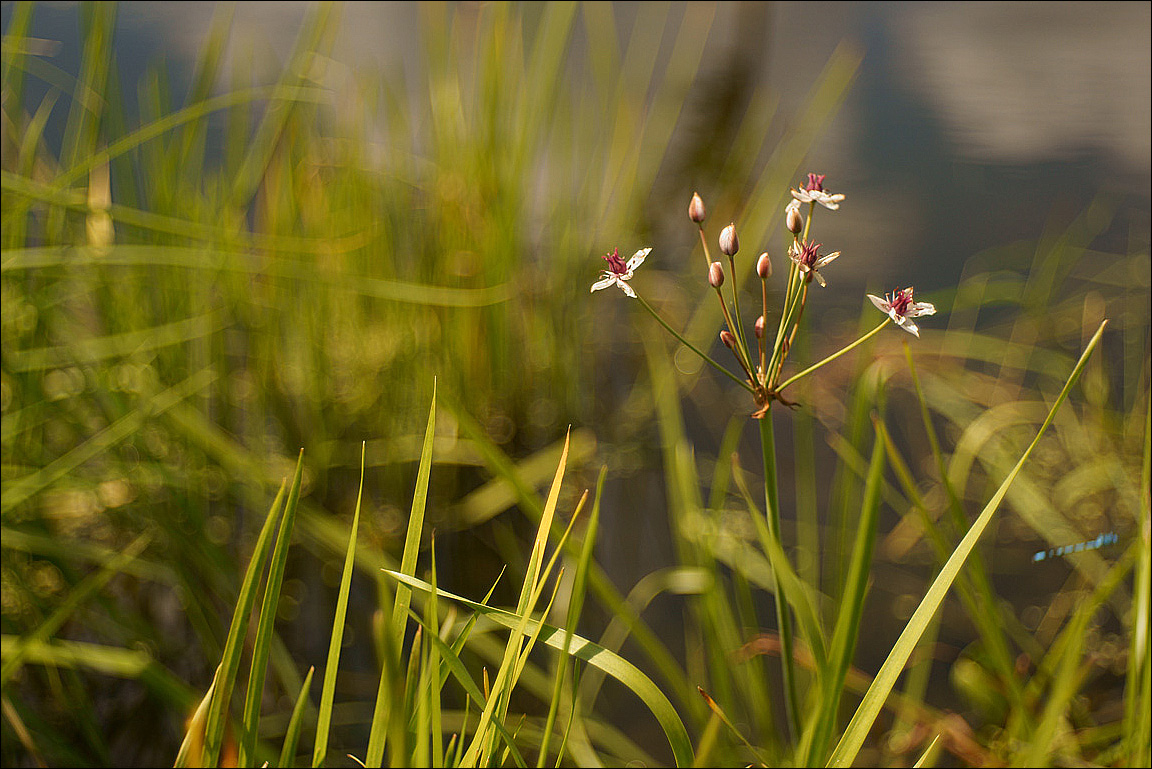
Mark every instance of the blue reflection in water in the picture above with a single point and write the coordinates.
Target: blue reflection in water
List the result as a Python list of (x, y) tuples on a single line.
[(1091, 544)]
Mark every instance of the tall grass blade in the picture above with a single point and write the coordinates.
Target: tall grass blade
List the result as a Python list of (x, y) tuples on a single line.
[(851, 607), (845, 752), (380, 716), (237, 632), (324, 715), (266, 626), (191, 751), (292, 735), (581, 648)]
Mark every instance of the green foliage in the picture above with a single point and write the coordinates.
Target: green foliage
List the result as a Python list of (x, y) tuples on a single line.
[(193, 293)]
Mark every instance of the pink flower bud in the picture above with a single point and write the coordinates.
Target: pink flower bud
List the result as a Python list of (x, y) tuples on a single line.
[(764, 266), (729, 243), (696, 209), (716, 275), (760, 327), (728, 340), (794, 221)]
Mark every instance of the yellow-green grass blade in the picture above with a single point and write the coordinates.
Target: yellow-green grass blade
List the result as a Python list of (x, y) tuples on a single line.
[(601, 586), (378, 733), (216, 720), (853, 738), (929, 754), (505, 679), (454, 667), (328, 693), (192, 746), (266, 626), (292, 735), (575, 605), (581, 648)]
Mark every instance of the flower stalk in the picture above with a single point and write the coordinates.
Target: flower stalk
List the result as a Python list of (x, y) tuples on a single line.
[(763, 380)]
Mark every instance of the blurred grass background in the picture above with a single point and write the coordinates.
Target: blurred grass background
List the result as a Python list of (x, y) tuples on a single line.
[(195, 285)]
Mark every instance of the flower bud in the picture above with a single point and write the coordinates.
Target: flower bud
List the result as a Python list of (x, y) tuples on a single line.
[(729, 243), (764, 266), (728, 340), (794, 220), (696, 209), (716, 275), (760, 327)]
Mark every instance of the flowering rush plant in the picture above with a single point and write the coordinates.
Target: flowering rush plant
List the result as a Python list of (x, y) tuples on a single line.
[(761, 365), (761, 360)]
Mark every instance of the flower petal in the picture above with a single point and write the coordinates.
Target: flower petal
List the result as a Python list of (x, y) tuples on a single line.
[(626, 288), (881, 305), (826, 259), (907, 324), (921, 308), (819, 278), (638, 259), (603, 283)]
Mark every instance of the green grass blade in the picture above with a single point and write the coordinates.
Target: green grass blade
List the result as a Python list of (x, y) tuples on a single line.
[(575, 605), (292, 735), (505, 677), (845, 752), (378, 734), (237, 632), (192, 746), (581, 648), (324, 716), (266, 627), (851, 608)]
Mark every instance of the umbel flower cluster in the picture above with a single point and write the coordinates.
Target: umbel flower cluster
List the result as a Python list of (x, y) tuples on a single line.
[(763, 364)]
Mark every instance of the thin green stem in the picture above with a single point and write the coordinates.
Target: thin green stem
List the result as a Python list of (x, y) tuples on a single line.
[(707, 256), (834, 355), (693, 347), (740, 351), (783, 618), (739, 330)]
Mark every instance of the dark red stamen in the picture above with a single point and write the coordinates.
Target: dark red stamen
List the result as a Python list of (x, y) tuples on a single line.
[(902, 301), (809, 253), (815, 183), (615, 263)]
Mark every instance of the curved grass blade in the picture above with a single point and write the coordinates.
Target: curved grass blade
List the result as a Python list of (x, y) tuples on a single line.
[(324, 718), (597, 656), (845, 752)]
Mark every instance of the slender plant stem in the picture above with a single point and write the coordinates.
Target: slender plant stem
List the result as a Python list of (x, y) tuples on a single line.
[(739, 350), (739, 330), (783, 617), (707, 255), (834, 355), (693, 347)]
